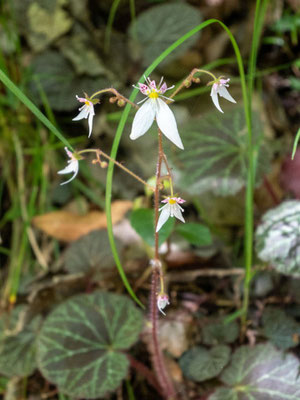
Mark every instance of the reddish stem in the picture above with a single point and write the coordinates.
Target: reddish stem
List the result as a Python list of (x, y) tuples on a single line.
[(157, 356)]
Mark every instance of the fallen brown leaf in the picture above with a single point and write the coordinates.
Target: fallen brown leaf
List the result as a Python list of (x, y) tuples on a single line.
[(67, 226)]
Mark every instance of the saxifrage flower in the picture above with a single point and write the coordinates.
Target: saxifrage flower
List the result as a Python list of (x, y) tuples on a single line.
[(219, 88), (73, 166), (86, 111), (170, 209), (162, 302), (155, 108)]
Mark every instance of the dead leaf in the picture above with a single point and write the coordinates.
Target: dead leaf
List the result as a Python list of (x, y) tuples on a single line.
[(67, 226)]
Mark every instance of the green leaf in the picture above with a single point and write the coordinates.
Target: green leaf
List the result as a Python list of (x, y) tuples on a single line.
[(280, 328), (216, 331), (80, 346), (158, 27), (200, 364), (260, 373), (46, 25), (277, 238), (215, 157), (196, 234), (17, 347), (90, 251), (142, 220), (58, 80)]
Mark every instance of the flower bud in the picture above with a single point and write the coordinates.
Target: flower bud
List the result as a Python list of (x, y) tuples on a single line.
[(187, 83), (121, 103), (113, 99)]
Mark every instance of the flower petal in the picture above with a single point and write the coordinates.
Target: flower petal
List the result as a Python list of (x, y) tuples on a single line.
[(143, 119), (223, 92), (164, 216), (215, 99), (90, 121), (72, 167), (177, 212), (167, 123), (83, 114)]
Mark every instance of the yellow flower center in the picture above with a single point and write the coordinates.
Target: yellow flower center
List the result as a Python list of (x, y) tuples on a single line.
[(87, 102), (172, 201), (153, 95)]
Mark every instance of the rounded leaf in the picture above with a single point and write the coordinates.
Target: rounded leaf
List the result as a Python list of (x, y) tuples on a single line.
[(79, 344), (260, 373), (215, 157), (17, 348), (159, 26), (200, 364), (278, 240)]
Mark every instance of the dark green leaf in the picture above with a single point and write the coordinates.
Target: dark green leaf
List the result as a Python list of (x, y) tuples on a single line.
[(260, 373), (215, 155), (278, 240), (200, 364), (91, 251), (17, 347), (56, 77), (282, 330), (80, 343), (215, 331), (142, 220), (158, 27), (196, 234)]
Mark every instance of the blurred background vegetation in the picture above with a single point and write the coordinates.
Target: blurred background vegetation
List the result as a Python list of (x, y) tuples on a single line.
[(53, 238)]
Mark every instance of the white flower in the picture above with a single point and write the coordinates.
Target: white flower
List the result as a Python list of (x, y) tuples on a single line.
[(155, 108), (86, 111), (219, 88), (170, 209), (73, 166), (162, 302)]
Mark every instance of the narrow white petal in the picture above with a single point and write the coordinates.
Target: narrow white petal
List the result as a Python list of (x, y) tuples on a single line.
[(143, 119), (69, 168), (215, 99), (69, 180), (177, 213), (72, 167), (167, 123), (224, 93), (90, 121), (83, 114), (164, 216)]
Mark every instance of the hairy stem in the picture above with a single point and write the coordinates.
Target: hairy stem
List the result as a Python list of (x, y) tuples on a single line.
[(158, 360)]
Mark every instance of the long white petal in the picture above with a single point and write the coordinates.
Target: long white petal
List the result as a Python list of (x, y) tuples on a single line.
[(69, 180), (68, 169), (72, 167), (143, 119), (215, 99), (164, 216), (177, 213), (224, 93), (90, 121), (83, 114), (167, 123)]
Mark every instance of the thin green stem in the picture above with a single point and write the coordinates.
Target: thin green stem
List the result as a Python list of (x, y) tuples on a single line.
[(128, 171), (111, 17), (29, 104)]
